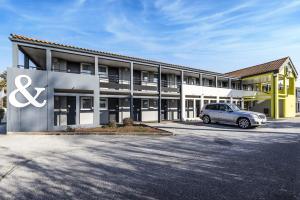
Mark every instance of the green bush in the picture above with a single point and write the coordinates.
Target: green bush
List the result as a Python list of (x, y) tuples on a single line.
[(127, 122), (112, 124)]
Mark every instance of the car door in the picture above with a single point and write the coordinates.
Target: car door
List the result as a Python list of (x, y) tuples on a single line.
[(225, 113), (212, 111)]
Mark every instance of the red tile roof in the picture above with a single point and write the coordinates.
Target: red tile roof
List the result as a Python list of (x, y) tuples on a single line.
[(258, 69)]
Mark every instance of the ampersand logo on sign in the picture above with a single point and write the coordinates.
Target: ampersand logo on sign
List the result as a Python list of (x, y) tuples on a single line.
[(22, 89)]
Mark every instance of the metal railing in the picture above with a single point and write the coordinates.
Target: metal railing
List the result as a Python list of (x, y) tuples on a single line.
[(72, 72)]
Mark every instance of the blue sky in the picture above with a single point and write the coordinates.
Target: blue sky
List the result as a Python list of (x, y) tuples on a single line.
[(210, 34)]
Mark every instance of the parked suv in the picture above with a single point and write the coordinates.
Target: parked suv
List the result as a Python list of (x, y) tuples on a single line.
[(230, 113)]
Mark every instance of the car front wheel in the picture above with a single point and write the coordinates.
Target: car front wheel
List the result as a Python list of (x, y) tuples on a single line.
[(244, 123), (206, 119)]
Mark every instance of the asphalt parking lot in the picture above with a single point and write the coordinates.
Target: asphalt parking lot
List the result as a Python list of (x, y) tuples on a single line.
[(199, 162)]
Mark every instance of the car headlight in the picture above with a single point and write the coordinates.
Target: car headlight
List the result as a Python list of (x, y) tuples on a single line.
[(255, 116)]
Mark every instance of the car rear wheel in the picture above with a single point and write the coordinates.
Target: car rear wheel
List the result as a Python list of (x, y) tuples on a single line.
[(206, 119), (244, 123)]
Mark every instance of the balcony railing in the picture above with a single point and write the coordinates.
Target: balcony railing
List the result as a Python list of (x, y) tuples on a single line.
[(170, 86), (30, 67), (72, 72), (113, 82)]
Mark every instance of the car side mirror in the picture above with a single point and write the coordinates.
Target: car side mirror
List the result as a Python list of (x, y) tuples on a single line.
[(229, 110)]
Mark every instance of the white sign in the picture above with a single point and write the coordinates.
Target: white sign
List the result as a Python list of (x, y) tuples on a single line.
[(22, 89)]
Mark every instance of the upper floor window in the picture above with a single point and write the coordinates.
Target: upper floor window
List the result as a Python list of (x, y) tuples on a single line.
[(266, 87), (145, 76), (86, 68), (155, 77), (102, 71)]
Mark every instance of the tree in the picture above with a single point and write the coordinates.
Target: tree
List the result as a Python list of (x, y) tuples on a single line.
[(3, 80), (3, 85)]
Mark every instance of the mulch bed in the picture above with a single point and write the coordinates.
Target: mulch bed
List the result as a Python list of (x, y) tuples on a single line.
[(139, 129)]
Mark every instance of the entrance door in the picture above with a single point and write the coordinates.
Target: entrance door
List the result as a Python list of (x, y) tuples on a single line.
[(137, 110), (198, 107), (113, 109), (71, 110), (164, 109)]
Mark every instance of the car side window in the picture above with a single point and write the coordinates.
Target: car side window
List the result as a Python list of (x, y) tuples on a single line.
[(224, 107), (212, 107)]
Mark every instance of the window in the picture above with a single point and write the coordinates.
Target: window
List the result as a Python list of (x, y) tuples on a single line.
[(212, 107), (233, 86), (103, 104), (224, 107), (145, 103), (185, 80), (266, 88), (86, 68), (102, 71), (189, 104), (153, 103), (86, 103), (155, 78), (192, 81), (145, 76)]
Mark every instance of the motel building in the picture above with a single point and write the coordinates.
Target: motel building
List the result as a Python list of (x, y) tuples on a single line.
[(52, 86)]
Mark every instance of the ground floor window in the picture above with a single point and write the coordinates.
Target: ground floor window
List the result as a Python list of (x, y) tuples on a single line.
[(153, 103), (86, 103), (103, 104), (145, 103)]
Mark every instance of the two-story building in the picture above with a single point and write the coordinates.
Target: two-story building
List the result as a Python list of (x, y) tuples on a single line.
[(275, 86), (52, 86)]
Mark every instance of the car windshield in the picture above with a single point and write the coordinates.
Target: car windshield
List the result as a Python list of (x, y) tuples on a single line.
[(234, 107)]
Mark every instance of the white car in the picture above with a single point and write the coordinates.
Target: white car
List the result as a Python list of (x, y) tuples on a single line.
[(230, 113)]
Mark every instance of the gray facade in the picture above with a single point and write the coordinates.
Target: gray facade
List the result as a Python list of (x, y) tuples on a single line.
[(85, 88)]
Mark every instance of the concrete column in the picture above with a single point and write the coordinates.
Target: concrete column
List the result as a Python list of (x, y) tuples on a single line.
[(275, 98), (159, 95), (242, 104), (231, 100), (218, 99), (96, 119), (131, 90), (15, 55), (229, 83), (50, 92), (26, 62), (48, 59), (202, 101), (96, 66), (77, 109), (201, 81), (216, 79), (182, 99)]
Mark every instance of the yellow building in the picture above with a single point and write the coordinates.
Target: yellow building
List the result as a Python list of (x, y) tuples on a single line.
[(274, 84)]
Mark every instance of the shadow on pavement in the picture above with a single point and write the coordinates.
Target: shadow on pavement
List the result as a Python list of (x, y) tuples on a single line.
[(173, 168)]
